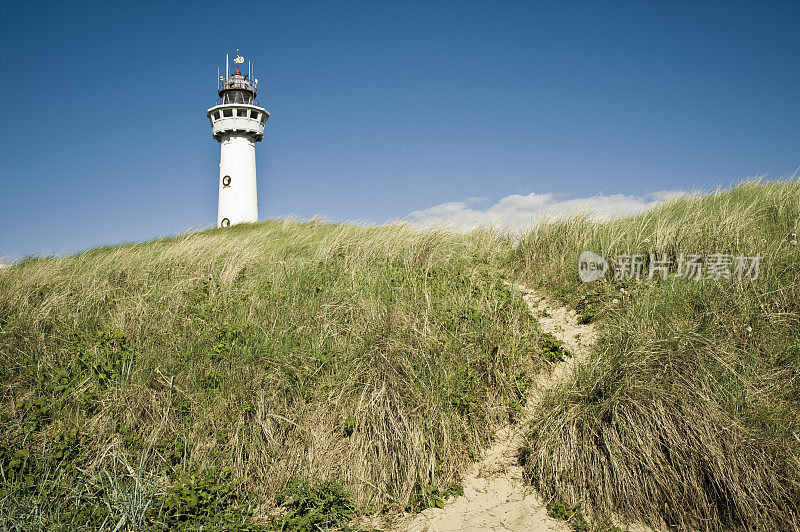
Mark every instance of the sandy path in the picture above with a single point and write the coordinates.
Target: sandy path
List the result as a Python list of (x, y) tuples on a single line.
[(495, 496)]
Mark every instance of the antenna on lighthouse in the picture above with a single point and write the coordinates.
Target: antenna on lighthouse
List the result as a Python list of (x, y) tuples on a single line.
[(226, 67)]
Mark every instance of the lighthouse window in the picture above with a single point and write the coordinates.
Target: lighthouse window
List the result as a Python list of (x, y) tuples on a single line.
[(254, 114), (241, 112), (216, 115), (227, 113)]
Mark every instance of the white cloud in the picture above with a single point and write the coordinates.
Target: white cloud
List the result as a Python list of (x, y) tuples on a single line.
[(520, 211)]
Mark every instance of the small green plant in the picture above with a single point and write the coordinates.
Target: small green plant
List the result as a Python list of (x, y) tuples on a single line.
[(248, 410), (462, 393), (89, 401), (181, 406), (432, 496), (113, 353), (211, 380), (173, 451), (553, 349), (66, 445), (586, 307), (559, 509), (36, 412), (227, 338), (132, 442), (454, 489), (17, 463), (587, 315), (515, 411), (207, 500), (309, 506), (347, 426)]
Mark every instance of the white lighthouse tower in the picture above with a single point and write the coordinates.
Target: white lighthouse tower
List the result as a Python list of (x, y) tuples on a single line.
[(237, 123)]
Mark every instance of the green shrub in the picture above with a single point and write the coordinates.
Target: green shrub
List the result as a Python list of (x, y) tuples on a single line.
[(553, 349), (207, 500), (307, 506), (433, 496)]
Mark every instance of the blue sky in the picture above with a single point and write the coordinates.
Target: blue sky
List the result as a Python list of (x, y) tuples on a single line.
[(382, 109)]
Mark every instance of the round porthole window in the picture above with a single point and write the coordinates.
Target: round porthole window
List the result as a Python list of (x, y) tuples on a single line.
[(226, 181), (225, 222)]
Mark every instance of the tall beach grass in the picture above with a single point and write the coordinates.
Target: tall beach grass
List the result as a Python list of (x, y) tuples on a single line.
[(381, 357), (688, 413)]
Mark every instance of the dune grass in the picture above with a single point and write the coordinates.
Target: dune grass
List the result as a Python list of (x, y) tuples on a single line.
[(192, 381), (688, 413), (292, 375)]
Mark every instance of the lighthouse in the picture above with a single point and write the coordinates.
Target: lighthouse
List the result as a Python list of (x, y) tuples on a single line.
[(237, 123)]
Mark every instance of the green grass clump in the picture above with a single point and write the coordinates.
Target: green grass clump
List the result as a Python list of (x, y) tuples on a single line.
[(380, 356), (687, 413)]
